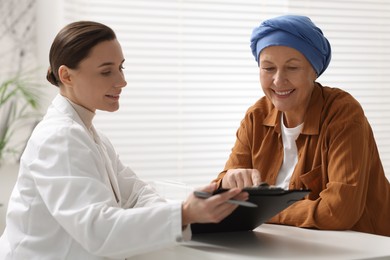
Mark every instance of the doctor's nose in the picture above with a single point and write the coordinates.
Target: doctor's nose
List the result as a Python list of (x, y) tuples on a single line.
[(121, 82)]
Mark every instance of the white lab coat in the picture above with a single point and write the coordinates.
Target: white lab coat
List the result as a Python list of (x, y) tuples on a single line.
[(74, 199)]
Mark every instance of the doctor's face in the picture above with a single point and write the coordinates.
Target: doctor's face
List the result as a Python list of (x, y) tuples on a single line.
[(98, 80)]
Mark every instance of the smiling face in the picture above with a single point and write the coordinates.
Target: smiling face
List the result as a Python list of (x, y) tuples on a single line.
[(287, 79), (98, 80)]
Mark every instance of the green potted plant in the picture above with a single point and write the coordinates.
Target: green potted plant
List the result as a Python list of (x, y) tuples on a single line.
[(19, 112)]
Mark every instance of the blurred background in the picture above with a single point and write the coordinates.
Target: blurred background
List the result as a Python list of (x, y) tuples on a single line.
[(190, 72)]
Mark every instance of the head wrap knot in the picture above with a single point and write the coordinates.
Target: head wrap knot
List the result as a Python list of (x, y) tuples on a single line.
[(297, 32)]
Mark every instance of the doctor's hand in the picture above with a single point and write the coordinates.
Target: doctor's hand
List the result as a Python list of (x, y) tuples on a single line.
[(210, 210), (241, 178)]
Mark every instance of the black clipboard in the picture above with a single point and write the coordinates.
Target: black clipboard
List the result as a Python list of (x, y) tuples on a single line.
[(269, 203)]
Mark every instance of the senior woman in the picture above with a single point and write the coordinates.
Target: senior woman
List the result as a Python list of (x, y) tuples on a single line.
[(305, 135)]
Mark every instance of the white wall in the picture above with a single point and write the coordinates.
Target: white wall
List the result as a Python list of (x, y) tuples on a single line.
[(49, 22), (8, 175)]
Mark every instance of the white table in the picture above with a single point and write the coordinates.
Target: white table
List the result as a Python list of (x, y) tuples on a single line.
[(278, 242)]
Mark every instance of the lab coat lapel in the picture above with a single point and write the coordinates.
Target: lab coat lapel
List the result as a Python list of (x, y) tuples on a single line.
[(62, 105), (110, 170)]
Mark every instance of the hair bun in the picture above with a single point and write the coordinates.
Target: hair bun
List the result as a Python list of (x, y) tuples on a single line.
[(51, 77)]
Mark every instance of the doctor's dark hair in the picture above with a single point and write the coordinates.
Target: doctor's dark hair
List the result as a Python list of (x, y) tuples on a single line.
[(73, 44)]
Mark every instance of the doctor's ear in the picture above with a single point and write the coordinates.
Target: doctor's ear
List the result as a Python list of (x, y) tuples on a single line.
[(64, 74)]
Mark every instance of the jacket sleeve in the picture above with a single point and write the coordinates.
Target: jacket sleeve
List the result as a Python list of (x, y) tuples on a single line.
[(67, 172)]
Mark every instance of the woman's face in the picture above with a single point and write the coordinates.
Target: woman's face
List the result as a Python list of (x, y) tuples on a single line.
[(287, 79), (98, 81)]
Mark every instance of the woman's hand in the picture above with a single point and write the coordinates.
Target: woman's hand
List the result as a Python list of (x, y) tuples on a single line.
[(210, 210), (241, 178)]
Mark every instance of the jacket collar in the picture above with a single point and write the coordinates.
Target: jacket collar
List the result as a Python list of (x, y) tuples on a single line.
[(61, 104)]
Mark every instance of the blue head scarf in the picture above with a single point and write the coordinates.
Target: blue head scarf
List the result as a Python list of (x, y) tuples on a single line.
[(297, 32)]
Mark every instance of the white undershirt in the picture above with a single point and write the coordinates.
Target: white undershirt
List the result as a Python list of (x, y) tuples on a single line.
[(290, 154)]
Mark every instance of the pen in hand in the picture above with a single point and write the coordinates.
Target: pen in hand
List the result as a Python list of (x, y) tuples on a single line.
[(205, 195)]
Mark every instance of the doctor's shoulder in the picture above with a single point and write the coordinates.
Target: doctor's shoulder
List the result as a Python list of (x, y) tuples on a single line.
[(55, 132)]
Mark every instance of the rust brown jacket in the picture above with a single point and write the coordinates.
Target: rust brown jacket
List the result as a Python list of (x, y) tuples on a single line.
[(337, 159)]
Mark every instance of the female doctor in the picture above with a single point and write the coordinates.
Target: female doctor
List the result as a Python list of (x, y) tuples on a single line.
[(74, 199)]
